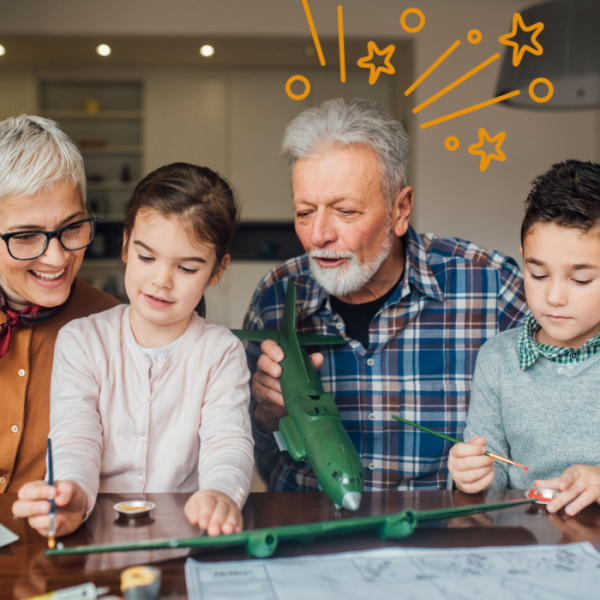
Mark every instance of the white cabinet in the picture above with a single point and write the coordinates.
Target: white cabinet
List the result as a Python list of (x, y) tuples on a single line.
[(186, 120)]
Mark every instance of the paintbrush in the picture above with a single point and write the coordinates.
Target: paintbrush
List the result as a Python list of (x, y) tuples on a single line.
[(52, 514), (455, 441)]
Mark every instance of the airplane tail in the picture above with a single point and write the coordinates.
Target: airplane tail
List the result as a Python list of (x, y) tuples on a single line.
[(288, 327)]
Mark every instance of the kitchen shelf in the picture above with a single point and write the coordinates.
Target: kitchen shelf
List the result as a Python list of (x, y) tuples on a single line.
[(129, 115)]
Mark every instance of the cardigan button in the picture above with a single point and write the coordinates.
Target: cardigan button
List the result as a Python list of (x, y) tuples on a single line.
[(2, 480), (15, 429), (21, 372)]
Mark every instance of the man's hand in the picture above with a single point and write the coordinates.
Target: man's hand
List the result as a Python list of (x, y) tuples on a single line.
[(579, 484), (266, 388), (214, 511), (70, 500), (471, 469)]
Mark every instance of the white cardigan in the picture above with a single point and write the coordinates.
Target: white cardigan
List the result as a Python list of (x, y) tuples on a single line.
[(115, 428)]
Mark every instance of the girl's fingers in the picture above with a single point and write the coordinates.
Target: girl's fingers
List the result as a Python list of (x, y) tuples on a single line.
[(22, 508), (218, 517), (233, 521), (36, 490), (40, 523), (205, 509), (192, 511), (64, 493)]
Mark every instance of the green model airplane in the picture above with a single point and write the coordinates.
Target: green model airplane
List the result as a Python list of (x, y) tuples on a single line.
[(312, 430), (261, 543)]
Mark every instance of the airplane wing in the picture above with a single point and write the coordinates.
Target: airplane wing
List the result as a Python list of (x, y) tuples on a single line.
[(304, 339)]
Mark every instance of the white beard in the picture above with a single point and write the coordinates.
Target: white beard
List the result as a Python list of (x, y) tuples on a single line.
[(352, 275)]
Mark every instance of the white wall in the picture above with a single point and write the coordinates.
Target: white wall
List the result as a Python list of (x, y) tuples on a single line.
[(453, 197)]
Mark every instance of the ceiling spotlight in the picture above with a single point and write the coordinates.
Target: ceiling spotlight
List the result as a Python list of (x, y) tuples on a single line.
[(207, 50), (2, 50), (103, 50)]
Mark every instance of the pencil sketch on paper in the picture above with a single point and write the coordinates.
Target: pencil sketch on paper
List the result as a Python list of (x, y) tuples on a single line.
[(519, 573)]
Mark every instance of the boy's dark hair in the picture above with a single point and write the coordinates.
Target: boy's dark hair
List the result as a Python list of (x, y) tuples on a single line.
[(568, 195), (198, 196)]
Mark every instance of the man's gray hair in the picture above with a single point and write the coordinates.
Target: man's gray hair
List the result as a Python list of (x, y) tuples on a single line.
[(35, 156), (351, 123)]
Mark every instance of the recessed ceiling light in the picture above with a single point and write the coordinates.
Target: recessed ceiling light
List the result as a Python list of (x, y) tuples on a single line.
[(207, 50), (2, 50), (103, 50)]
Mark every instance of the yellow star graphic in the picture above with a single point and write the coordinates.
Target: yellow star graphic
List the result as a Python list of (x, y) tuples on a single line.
[(365, 61), (485, 157), (518, 53)]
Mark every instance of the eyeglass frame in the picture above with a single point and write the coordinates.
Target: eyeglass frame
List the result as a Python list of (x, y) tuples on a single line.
[(50, 235)]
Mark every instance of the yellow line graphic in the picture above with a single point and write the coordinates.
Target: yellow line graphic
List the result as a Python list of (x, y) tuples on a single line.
[(456, 83), (341, 36), (432, 68), (465, 111), (311, 24)]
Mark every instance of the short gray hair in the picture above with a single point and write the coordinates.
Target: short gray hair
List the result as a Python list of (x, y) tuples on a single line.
[(343, 123), (35, 155)]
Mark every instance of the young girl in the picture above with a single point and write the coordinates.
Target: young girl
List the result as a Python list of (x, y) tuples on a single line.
[(149, 397)]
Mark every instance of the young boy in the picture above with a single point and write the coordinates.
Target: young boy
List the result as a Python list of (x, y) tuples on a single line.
[(535, 396)]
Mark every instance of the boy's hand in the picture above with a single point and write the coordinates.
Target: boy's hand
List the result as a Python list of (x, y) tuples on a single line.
[(579, 484), (214, 511), (471, 469), (70, 500)]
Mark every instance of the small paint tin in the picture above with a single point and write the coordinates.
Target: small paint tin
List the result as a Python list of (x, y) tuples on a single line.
[(141, 583), (134, 509), (541, 495)]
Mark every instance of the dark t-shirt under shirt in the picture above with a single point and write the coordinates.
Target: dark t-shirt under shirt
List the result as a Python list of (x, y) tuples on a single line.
[(358, 317)]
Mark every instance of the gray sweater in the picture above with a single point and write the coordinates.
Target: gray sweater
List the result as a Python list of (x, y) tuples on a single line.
[(546, 417)]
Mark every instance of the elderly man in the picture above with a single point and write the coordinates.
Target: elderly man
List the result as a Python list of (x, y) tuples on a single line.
[(414, 310)]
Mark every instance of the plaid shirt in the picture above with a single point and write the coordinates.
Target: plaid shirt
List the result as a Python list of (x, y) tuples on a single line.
[(419, 364), (530, 349)]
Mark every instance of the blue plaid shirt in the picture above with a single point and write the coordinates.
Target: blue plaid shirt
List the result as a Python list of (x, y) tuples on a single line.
[(423, 343)]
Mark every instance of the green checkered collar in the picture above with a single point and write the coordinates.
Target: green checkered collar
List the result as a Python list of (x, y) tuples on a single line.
[(529, 349)]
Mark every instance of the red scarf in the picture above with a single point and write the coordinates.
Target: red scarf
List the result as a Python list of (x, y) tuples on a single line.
[(14, 319), (31, 315)]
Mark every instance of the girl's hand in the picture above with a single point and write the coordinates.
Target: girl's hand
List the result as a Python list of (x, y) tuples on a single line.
[(579, 484), (471, 469), (215, 512), (70, 500)]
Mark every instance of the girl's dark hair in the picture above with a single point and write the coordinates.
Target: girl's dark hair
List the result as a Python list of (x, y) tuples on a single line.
[(568, 195), (203, 200)]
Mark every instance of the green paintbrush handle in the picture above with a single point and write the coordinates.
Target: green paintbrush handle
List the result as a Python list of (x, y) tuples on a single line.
[(445, 437)]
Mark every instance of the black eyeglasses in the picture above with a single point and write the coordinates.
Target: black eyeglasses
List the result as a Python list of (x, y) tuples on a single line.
[(27, 245)]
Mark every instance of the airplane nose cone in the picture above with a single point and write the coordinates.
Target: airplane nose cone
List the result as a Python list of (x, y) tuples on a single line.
[(351, 500)]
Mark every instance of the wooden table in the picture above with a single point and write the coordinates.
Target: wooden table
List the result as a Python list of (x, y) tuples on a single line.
[(25, 571)]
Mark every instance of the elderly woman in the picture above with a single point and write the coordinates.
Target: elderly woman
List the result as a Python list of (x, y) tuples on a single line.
[(45, 230)]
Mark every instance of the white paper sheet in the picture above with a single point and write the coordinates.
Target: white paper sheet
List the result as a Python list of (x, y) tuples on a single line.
[(7, 536), (505, 573)]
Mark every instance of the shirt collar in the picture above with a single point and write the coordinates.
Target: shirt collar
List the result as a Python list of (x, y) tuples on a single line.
[(417, 272), (530, 349)]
